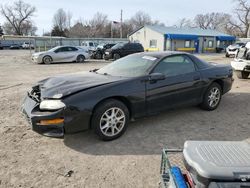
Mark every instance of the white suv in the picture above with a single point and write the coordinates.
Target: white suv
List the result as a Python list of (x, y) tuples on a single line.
[(241, 64), (89, 45)]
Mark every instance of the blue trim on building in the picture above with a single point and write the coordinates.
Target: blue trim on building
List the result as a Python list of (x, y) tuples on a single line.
[(181, 37), (225, 38)]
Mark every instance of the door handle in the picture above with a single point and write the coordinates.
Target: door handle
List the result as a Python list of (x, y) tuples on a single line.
[(197, 78)]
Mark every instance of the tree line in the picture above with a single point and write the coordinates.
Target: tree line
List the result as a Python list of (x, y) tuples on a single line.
[(19, 21)]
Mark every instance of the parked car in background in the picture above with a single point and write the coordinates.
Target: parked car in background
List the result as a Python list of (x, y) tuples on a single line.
[(233, 49), (241, 64), (135, 86), (15, 47), (122, 49), (100, 50), (61, 54), (27, 45), (89, 46)]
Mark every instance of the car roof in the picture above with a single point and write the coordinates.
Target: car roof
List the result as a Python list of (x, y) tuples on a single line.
[(162, 54)]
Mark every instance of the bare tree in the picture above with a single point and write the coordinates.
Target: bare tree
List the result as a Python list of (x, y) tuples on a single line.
[(184, 22), (60, 19), (242, 12), (97, 25), (69, 18), (17, 15), (140, 19)]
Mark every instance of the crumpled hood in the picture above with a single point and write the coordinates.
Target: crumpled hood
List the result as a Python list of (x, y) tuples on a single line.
[(232, 47), (63, 85)]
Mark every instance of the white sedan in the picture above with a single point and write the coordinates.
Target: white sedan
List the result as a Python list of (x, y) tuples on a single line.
[(61, 54)]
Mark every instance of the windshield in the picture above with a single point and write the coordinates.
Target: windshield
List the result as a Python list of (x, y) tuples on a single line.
[(53, 49), (130, 66), (118, 45), (237, 44)]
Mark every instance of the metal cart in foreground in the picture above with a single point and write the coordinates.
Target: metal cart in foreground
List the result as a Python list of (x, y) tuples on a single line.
[(207, 164), (172, 169)]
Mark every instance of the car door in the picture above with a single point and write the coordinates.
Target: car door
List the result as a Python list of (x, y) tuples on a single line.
[(60, 55), (72, 53), (182, 84), (127, 49)]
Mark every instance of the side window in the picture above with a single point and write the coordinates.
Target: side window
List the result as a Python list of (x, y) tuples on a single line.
[(64, 49), (72, 49), (91, 44), (126, 46), (153, 43), (59, 50), (175, 65)]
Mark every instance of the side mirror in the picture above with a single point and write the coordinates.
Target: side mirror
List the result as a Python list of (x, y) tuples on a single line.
[(156, 76)]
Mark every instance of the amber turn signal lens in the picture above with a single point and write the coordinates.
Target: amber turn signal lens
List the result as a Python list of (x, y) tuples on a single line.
[(51, 121)]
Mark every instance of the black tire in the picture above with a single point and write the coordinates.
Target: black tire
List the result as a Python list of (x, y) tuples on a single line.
[(227, 55), (99, 116), (105, 58), (98, 56), (47, 59), (80, 59), (117, 56), (206, 104), (242, 74)]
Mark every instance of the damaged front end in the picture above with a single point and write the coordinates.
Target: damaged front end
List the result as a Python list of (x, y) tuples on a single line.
[(45, 121)]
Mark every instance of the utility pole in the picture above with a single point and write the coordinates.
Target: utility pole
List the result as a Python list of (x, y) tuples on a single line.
[(121, 25), (111, 28)]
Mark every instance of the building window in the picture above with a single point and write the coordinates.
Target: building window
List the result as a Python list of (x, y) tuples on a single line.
[(153, 43), (210, 44), (187, 44)]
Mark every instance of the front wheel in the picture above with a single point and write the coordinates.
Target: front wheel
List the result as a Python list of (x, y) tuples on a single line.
[(212, 97), (242, 74), (47, 60), (98, 55), (80, 59), (110, 119), (117, 56)]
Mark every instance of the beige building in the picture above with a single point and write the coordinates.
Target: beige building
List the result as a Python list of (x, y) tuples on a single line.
[(195, 40)]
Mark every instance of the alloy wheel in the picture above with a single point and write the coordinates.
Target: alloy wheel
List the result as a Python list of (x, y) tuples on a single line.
[(112, 121), (214, 97)]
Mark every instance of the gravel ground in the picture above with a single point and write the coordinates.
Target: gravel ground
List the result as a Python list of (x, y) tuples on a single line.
[(31, 160)]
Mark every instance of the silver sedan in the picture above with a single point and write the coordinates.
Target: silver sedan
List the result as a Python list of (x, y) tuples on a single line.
[(61, 54)]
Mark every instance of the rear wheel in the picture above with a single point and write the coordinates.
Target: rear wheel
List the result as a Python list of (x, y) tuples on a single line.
[(117, 56), (80, 59), (212, 97), (242, 74), (47, 60), (110, 119), (227, 55)]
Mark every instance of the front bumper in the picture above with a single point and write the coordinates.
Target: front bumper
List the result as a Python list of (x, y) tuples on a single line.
[(36, 59), (31, 111), (243, 65), (108, 55), (232, 52)]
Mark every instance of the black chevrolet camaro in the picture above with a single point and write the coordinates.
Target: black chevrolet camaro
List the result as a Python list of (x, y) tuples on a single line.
[(138, 85)]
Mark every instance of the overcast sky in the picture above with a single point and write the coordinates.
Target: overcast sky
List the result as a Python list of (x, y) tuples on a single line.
[(167, 11)]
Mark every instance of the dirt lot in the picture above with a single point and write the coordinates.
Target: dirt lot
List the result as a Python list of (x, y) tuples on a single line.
[(31, 160)]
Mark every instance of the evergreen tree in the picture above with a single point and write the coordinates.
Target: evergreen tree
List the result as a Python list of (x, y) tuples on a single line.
[(1, 31)]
